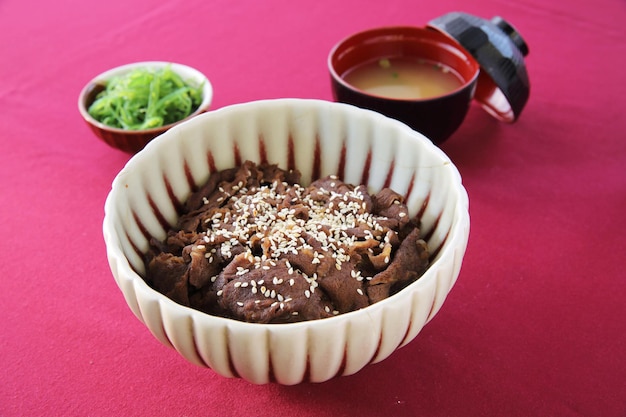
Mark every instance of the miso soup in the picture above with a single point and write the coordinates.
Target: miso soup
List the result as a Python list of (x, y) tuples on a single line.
[(404, 78)]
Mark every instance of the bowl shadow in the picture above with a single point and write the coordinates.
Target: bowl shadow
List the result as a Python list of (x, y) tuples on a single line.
[(475, 145)]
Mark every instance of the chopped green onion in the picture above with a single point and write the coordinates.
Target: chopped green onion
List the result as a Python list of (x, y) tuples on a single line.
[(145, 98)]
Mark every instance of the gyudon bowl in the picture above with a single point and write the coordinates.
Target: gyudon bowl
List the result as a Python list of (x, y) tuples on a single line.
[(318, 139)]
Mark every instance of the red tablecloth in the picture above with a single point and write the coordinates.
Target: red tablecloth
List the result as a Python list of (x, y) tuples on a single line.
[(534, 326)]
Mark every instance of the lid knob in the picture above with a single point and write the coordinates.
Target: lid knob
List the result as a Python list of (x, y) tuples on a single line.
[(512, 33)]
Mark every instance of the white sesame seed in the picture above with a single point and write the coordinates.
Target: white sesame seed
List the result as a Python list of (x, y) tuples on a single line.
[(360, 291)]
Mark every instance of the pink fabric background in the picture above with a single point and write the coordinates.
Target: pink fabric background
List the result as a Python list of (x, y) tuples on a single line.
[(534, 326)]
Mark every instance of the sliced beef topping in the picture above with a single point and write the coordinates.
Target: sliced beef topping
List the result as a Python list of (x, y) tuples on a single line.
[(256, 246)]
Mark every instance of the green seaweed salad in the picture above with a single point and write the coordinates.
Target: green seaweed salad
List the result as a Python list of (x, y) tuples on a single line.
[(145, 98)]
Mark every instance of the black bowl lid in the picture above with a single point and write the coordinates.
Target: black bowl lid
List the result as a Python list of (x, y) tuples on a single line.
[(503, 86)]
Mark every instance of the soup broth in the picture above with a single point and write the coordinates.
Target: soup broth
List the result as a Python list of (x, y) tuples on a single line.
[(404, 78)]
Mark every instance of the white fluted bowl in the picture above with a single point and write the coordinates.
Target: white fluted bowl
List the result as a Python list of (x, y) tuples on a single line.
[(318, 138)]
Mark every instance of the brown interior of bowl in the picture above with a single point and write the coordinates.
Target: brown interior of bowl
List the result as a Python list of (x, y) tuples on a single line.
[(92, 92)]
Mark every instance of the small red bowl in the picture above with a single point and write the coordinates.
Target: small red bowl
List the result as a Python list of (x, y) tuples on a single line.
[(436, 117), (132, 141)]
